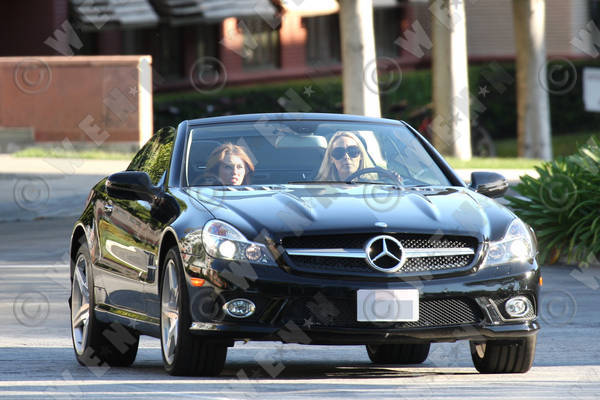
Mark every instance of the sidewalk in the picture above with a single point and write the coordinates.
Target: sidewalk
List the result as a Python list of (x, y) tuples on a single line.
[(59, 166), (32, 188)]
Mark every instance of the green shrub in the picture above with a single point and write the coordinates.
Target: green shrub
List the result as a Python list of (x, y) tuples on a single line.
[(492, 87), (563, 205)]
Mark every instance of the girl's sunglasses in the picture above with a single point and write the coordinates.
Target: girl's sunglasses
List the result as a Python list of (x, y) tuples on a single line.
[(339, 152)]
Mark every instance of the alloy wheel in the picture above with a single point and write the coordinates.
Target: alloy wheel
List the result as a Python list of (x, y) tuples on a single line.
[(170, 312), (80, 305)]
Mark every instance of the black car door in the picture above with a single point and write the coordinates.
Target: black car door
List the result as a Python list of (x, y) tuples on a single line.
[(129, 232)]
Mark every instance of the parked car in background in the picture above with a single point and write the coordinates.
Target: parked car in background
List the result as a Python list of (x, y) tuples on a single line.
[(301, 228)]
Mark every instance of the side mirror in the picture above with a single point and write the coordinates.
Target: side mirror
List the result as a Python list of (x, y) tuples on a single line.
[(130, 185), (489, 184)]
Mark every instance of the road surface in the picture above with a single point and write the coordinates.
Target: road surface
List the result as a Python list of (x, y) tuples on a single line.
[(37, 361)]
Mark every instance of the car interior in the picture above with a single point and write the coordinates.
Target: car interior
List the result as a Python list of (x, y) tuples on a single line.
[(270, 157), (286, 155)]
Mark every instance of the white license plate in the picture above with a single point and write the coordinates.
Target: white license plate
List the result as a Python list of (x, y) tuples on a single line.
[(387, 305)]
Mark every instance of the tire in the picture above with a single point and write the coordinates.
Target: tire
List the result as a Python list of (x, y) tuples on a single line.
[(95, 343), (183, 354), (402, 353), (504, 357)]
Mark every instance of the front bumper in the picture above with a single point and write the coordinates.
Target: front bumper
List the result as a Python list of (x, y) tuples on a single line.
[(355, 336), (300, 308)]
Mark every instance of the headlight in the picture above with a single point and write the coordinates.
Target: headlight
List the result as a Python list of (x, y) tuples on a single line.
[(517, 245), (222, 240)]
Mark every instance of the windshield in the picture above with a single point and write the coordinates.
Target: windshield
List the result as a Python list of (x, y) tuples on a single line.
[(281, 152)]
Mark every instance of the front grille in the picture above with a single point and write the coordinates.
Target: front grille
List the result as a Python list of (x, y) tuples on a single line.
[(424, 264), (358, 241), (360, 267), (342, 313)]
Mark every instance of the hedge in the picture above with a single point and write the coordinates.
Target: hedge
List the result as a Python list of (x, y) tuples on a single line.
[(562, 205), (492, 86)]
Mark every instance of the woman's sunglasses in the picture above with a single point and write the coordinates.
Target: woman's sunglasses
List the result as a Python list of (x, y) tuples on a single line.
[(339, 152)]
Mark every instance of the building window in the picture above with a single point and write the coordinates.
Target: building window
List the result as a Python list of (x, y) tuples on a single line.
[(387, 23), (170, 52), (261, 43), (207, 44), (322, 39), (90, 43), (163, 43)]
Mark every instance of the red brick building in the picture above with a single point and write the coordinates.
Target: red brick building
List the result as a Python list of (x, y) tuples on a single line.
[(258, 40), (254, 40)]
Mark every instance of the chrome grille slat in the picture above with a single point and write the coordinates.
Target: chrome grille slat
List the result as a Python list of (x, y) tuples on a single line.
[(345, 253), (358, 240), (356, 253)]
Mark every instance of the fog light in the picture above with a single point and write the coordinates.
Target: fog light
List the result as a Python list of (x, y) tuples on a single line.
[(518, 306), (239, 308)]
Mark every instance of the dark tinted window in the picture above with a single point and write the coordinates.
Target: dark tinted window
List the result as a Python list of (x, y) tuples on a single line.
[(261, 43), (155, 156), (323, 39), (387, 26)]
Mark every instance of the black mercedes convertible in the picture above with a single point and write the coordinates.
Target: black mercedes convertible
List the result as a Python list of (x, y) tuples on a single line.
[(300, 228)]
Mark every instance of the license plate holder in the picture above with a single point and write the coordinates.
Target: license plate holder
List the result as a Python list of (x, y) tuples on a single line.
[(387, 305)]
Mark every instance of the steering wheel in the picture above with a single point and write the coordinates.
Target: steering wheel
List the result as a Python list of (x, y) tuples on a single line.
[(390, 174)]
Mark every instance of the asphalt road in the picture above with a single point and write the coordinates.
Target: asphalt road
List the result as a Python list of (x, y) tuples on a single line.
[(37, 361)]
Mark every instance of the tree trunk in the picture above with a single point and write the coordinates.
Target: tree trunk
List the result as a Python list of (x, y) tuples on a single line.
[(359, 62), (451, 126), (533, 109)]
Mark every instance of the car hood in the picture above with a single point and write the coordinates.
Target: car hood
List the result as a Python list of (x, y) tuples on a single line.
[(320, 209)]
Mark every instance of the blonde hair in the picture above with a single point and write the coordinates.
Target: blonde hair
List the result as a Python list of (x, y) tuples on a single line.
[(218, 154), (328, 171)]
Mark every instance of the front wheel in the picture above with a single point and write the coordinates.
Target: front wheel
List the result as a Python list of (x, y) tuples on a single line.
[(95, 343), (183, 353), (398, 353), (506, 356)]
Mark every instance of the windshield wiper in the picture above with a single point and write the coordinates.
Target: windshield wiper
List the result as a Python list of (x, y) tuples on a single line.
[(312, 182), (374, 183), (347, 182)]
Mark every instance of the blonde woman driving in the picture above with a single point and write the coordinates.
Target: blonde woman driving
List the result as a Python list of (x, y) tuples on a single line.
[(344, 156)]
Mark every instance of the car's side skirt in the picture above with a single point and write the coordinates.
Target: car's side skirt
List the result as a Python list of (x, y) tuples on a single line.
[(140, 322)]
